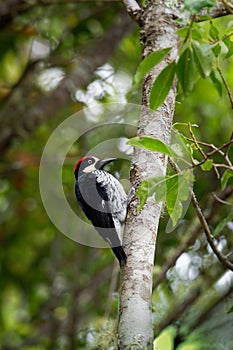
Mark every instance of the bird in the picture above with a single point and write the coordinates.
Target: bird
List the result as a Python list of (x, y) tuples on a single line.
[(103, 200)]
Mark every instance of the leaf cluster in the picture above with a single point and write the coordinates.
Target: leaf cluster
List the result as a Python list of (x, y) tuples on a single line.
[(199, 56), (175, 188)]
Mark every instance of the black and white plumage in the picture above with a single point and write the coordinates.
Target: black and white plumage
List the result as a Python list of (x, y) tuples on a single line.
[(103, 200)]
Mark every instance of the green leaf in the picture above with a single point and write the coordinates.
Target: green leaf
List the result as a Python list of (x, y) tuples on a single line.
[(213, 32), (151, 144), (229, 45), (230, 52), (171, 189), (186, 145), (207, 165), (157, 185), (160, 189), (178, 190), (148, 63), (222, 224), (186, 70), (142, 193), (182, 32), (175, 212), (225, 178), (227, 41), (217, 83), (149, 187), (230, 310), (216, 50), (162, 85), (196, 33), (196, 5), (202, 59)]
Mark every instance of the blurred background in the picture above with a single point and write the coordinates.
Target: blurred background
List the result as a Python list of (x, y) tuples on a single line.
[(57, 57)]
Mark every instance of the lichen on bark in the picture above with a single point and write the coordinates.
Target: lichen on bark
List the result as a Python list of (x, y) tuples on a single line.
[(135, 322)]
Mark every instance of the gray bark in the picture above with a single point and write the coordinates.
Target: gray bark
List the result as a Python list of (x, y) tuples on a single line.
[(135, 327)]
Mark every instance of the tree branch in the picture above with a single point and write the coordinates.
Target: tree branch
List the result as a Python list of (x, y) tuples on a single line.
[(190, 240), (215, 149), (217, 11), (135, 322), (134, 10), (223, 259), (226, 85), (178, 310), (205, 315)]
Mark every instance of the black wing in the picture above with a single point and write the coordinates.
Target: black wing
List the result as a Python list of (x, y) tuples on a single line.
[(93, 200)]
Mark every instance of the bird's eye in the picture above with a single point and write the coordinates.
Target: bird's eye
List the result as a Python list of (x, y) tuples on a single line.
[(89, 161)]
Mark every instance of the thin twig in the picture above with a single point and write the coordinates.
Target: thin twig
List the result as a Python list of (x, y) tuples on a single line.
[(189, 29), (214, 42), (224, 166), (221, 200), (190, 239), (215, 150), (223, 259), (202, 152), (226, 85), (196, 143)]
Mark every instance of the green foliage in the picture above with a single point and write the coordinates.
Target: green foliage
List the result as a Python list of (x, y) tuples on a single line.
[(166, 339), (151, 144), (207, 165), (162, 85), (175, 189), (227, 175), (202, 60), (230, 310), (56, 293), (213, 32), (229, 44), (196, 58), (194, 6), (186, 70), (216, 82), (171, 189), (149, 62), (222, 224)]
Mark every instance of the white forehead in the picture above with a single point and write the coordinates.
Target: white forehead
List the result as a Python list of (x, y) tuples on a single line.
[(91, 167), (96, 159)]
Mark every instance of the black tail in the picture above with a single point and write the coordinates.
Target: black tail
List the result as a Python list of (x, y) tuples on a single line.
[(120, 254)]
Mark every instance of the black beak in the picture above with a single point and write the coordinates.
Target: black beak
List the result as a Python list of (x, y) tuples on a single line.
[(102, 163)]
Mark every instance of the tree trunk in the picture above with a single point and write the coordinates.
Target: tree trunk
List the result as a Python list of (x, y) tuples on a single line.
[(135, 326)]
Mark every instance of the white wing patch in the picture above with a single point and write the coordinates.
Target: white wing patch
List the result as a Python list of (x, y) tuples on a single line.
[(117, 198)]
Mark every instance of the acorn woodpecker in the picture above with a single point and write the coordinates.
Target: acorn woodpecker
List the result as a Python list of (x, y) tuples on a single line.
[(103, 200)]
